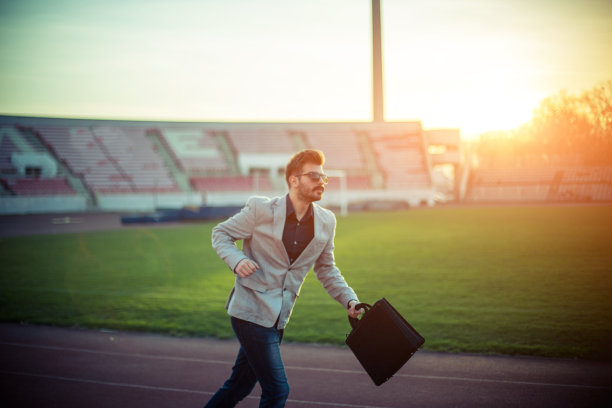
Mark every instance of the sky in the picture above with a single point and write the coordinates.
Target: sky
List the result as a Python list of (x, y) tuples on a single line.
[(476, 65)]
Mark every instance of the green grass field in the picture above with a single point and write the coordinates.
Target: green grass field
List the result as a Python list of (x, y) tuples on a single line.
[(510, 280)]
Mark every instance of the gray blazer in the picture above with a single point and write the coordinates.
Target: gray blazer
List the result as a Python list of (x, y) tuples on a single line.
[(271, 291)]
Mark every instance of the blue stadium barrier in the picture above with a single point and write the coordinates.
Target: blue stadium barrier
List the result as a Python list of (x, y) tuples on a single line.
[(183, 214)]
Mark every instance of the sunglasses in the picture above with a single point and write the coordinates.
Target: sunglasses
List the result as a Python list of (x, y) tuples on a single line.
[(315, 176)]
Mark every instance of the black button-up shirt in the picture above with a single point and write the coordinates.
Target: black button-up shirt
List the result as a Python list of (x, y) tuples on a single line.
[(297, 234)]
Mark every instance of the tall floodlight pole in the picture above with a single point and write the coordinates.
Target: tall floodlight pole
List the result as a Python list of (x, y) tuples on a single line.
[(377, 74)]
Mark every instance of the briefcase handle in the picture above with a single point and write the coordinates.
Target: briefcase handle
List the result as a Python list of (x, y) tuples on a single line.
[(355, 322)]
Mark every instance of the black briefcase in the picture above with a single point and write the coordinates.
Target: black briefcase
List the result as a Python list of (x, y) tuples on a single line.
[(382, 340)]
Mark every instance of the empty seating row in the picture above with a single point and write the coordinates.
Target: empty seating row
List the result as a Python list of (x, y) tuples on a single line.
[(541, 184), (12, 140), (514, 176), (341, 147), (508, 193), (541, 175), (124, 158), (110, 160), (260, 139), (78, 149), (195, 150), (38, 186), (7, 148), (587, 174), (136, 157), (231, 183), (585, 192), (352, 183), (402, 160)]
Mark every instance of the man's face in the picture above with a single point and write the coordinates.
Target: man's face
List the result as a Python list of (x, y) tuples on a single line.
[(309, 189)]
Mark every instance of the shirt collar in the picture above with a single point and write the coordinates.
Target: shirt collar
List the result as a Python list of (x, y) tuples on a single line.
[(291, 211)]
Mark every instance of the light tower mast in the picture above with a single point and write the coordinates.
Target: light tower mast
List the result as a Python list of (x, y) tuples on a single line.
[(377, 73)]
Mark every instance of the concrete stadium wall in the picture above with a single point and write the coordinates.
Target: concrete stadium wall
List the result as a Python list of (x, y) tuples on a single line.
[(151, 202), (237, 198), (413, 197), (147, 202), (39, 205)]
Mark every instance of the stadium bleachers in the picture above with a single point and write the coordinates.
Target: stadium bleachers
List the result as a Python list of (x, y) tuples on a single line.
[(195, 150), (7, 147), (26, 181), (260, 139), (585, 184), (82, 153), (513, 193), (352, 183), (38, 186), (132, 158), (541, 184), (541, 175), (135, 158), (115, 158), (340, 144), (402, 159), (231, 183), (110, 159)]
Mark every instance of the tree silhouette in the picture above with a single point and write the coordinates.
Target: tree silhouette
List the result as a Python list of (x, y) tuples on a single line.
[(565, 130)]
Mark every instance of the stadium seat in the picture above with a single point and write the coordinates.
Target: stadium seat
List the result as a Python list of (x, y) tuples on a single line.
[(39, 186)]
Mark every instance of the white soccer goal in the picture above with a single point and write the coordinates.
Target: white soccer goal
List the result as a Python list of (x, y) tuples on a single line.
[(341, 174)]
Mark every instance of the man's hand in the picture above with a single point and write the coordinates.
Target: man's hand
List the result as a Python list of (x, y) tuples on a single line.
[(354, 313), (246, 268)]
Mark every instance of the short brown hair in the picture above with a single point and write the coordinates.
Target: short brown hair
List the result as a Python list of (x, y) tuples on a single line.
[(298, 160)]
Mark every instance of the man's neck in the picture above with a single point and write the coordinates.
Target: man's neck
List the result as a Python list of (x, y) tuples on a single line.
[(299, 206)]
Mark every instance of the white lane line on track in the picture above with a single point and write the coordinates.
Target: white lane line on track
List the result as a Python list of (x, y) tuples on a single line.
[(169, 389), (289, 367)]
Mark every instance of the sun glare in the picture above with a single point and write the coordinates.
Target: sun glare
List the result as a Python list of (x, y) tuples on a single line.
[(486, 99)]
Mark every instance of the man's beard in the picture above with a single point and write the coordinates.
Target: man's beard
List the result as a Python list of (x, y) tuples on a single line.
[(311, 193)]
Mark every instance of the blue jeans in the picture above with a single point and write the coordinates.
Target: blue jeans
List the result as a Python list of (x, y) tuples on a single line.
[(259, 359)]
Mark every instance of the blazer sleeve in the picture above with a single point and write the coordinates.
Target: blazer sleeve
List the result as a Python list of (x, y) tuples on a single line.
[(225, 234), (328, 273)]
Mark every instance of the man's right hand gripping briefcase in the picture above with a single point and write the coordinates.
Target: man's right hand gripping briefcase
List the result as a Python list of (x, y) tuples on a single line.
[(382, 340)]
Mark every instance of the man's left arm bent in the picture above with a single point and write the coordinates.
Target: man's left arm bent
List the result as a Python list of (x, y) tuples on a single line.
[(332, 280)]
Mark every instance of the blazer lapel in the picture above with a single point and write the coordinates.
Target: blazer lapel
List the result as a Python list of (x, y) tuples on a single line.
[(280, 215), (316, 245)]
